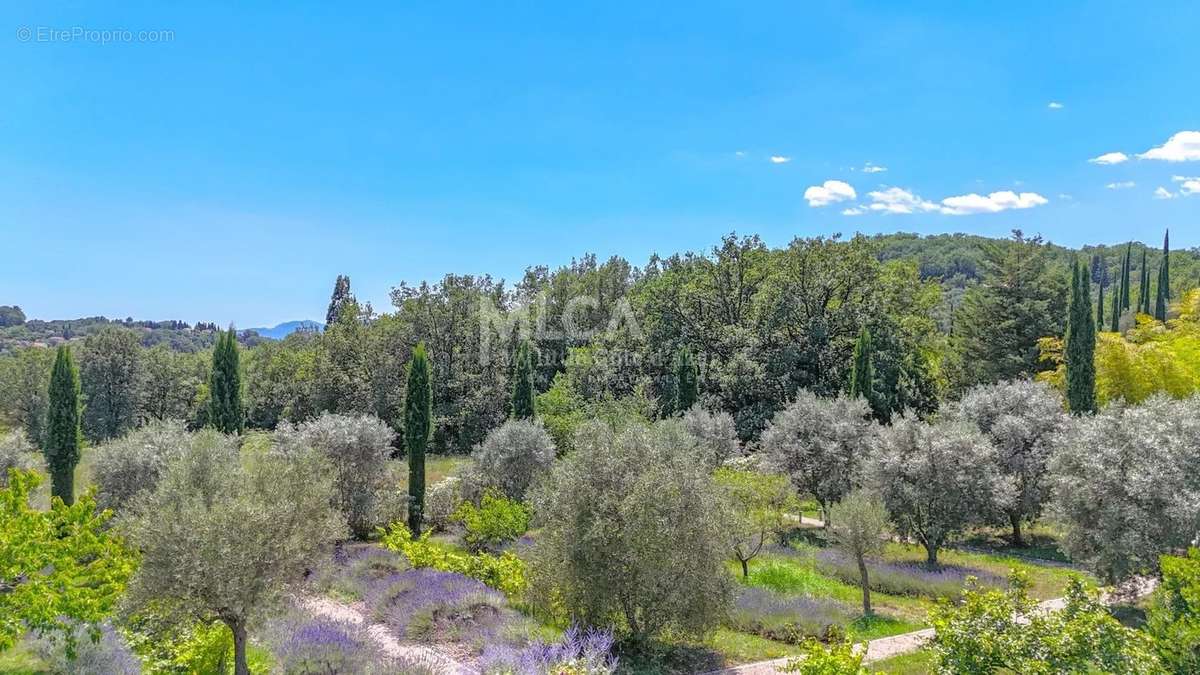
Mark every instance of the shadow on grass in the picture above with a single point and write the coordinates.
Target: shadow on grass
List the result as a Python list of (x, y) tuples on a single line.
[(668, 659)]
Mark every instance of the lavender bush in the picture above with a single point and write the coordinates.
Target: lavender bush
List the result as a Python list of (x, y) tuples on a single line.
[(355, 570), (789, 619), (434, 606), (905, 578), (579, 652), (107, 656)]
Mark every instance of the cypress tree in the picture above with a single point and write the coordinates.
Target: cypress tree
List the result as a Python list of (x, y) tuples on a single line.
[(1080, 347), (1125, 274), (1164, 280), (1100, 309), (1144, 289), (64, 438), (418, 428), (338, 299), (687, 380), (862, 370), (225, 411), (1115, 317), (522, 387)]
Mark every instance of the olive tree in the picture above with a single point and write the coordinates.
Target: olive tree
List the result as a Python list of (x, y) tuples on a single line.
[(759, 503), (715, 432), (358, 448), (861, 530), (820, 443), (1021, 418), (513, 456), (127, 467), (936, 480), (225, 534), (16, 452), (1126, 485), (634, 533)]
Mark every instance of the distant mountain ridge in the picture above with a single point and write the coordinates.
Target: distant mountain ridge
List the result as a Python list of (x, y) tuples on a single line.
[(286, 328)]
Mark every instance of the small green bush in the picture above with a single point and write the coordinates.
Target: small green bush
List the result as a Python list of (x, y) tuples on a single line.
[(505, 572), (494, 522), (836, 659)]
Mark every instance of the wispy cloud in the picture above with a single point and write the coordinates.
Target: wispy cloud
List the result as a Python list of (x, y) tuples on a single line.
[(1110, 158), (1122, 185), (873, 168), (1163, 193), (780, 159), (854, 211), (739, 153), (829, 192), (1188, 186), (995, 202), (1182, 147), (1055, 105)]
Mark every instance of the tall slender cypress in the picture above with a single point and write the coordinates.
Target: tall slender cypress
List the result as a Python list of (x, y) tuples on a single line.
[(1081, 345), (225, 411), (1115, 315), (522, 387), (1164, 281), (1125, 274), (418, 428), (862, 368), (1100, 309), (1144, 290), (687, 380), (64, 438)]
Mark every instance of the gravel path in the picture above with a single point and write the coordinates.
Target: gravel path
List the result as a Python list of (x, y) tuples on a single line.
[(886, 648), (383, 636)]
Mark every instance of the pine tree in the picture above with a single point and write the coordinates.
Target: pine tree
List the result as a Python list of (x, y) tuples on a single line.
[(1100, 309), (1081, 345), (225, 411), (862, 370), (64, 436), (522, 387), (418, 428), (341, 295), (687, 380), (1164, 280)]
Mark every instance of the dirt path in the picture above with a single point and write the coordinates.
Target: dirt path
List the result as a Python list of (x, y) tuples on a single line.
[(886, 648), (383, 636)]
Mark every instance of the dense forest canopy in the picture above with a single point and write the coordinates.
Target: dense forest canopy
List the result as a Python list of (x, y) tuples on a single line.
[(943, 312)]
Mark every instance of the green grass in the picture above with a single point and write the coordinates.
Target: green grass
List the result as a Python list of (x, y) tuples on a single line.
[(20, 661), (914, 663), (1048, 581), (1042, 542), (746, 648)]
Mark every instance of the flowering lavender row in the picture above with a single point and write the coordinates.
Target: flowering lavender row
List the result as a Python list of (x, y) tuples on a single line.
[(317, 646), (587, 652), (903, 578), (788, 618)]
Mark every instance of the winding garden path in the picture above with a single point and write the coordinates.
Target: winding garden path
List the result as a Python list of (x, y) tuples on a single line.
[(382, 635), (885, 648)]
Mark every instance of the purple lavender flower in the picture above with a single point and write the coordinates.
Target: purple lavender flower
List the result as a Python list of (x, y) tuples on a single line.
[(589, 651), (321, 645), (904, 578)]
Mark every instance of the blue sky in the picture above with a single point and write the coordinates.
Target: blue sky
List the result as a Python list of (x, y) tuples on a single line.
[(231, 171)]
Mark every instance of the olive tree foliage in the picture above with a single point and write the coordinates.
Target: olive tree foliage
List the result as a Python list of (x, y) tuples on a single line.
[(936, 480), (129, 466), (634, 534), (224, 534), (357, 447), (1126, 485), (715, 432), (513, 457), (862, 529), (821, 444), (759, 503), (1022, 420), (16, 452), (24, 383)]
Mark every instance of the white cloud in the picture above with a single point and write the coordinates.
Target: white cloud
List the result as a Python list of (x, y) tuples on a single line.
[(739, 153), (829, 192), (871, 168), (899, 200), (780, 159), (1110, 158), (1182, 147), (1055, 105), (1164, 193), (854, 211), (1123, 185), (1065, 197), (1190, 186), (995, 202)]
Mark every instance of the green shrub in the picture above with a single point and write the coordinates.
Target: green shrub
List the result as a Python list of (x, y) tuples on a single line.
[(1174, 617), (494, 522), (836, 659), (505, 572)]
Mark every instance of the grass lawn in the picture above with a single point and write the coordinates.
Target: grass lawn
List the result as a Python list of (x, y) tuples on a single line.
[(20, 661), (915, 663), (1041, 542)]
